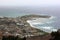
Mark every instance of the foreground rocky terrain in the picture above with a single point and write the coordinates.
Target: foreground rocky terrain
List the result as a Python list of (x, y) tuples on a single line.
[(19, 26), (51, 36)]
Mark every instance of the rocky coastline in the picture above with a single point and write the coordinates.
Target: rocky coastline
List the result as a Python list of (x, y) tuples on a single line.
[(19, 26)]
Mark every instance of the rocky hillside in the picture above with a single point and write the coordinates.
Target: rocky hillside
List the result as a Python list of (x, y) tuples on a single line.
[(19, 26)]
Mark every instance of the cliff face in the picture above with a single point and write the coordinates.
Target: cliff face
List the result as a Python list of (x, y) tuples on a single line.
[(19, 26)]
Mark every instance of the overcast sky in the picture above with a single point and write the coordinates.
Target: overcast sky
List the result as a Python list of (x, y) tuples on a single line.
[(29, 2)]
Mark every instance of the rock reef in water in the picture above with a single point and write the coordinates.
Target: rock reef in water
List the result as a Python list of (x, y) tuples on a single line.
[(19, 26)]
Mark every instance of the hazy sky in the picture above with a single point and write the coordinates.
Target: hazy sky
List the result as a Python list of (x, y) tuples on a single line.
[(29, 2)]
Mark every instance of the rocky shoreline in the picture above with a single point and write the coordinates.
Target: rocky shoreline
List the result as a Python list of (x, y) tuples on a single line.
[(19, 26)]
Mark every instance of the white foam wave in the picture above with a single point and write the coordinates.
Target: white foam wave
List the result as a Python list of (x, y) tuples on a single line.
[(52, 17), (44, 28), (48, 29), (42, 21), (34, 22)]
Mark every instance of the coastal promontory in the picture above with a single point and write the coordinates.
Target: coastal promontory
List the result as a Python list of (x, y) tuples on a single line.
[(19, 26)]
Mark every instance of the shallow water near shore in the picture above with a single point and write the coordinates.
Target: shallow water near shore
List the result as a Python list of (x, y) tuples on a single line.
[(44, 24)]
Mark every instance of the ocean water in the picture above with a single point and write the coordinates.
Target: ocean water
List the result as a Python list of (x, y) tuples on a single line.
[(20, 11), (44, 24)]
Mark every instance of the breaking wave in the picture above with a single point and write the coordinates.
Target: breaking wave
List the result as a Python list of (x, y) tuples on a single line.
[(43, 24)]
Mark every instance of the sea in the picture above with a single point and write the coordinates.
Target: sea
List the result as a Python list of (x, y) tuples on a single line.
[(27, 10)]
